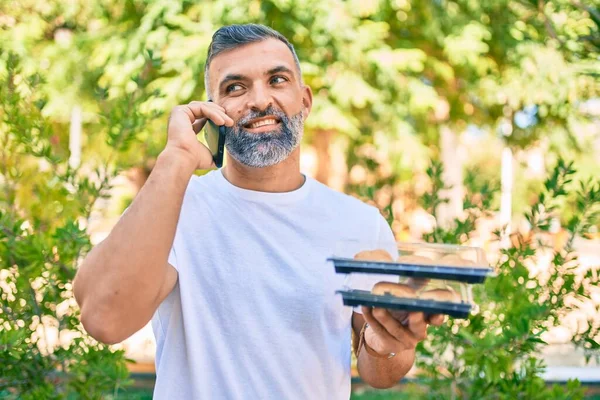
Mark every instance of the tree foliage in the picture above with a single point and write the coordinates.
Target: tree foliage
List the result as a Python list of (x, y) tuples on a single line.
[(45, 209), (494, 354), (387, 77)]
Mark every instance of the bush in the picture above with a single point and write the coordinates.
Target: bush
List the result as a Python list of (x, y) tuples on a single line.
[(45, 208), (494, 353)]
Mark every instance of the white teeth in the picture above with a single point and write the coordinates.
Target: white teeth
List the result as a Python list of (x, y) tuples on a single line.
[(263, 123)]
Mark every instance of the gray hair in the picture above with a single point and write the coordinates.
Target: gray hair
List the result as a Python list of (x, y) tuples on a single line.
[(232, 36)]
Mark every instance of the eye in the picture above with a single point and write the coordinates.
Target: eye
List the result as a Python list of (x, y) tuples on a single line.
[(277, 79), (233, 88)]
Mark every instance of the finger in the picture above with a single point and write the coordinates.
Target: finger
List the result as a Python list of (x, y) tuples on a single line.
[(417, 325), (392, 328), (183, 110), (209, 104), (400, 315), (436, 319), (196, 110), (375, 324), (199, 124), (213, 111), (216, 116)]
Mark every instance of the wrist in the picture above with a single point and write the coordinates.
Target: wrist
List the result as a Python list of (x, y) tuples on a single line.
[(177, 158)]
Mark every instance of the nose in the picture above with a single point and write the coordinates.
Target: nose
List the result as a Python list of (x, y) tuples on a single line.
[(260, 98)]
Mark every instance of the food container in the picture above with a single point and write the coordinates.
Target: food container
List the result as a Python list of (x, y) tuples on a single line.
[(425, 260), (432, 278), (431, 296)]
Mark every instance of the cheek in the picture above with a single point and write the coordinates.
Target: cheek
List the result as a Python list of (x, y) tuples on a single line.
[(289, 102), (234, 107)]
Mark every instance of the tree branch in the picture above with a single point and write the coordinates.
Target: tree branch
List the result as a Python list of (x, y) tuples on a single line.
[(547, 23), (595, 14)]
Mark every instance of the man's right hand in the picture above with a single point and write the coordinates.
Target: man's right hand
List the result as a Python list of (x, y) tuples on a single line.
[(185, 122)]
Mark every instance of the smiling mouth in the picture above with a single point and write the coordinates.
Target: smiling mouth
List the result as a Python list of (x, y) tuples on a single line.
[(262, 122)]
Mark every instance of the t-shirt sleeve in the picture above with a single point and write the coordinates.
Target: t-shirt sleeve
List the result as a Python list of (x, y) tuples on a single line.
[(385, 240), (173, 257)]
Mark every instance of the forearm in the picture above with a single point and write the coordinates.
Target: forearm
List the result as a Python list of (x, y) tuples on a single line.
[(383, 373), (121, 277)]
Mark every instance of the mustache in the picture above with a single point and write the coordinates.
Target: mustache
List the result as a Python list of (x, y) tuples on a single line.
[(269, 111)]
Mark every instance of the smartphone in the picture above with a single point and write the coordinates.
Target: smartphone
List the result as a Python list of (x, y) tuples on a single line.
[(215, 139)]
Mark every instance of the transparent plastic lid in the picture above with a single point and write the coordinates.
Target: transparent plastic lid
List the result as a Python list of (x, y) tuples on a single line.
[(419, 260), (442, 255)]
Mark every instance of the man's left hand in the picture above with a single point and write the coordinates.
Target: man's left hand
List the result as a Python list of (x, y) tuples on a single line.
[(396, 331)]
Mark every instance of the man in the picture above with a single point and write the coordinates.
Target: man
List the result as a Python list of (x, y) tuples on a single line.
[(231, 266)]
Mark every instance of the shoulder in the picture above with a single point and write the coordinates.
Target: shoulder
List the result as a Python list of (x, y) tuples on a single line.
[(342, 202), (199, 190), (206, 179), (198, 183)]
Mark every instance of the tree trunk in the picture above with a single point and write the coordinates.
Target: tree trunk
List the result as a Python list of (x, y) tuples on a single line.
[(453, 177), (322, 142), (75, 137), (506, 196)]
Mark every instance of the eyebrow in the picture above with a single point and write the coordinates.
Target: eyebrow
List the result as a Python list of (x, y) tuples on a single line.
[(279, 69), (231, 77)]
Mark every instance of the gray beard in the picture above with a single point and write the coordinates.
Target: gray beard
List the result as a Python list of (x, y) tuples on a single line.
[(260, 150)]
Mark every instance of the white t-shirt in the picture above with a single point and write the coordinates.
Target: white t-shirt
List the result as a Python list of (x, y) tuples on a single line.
[(254, 314)]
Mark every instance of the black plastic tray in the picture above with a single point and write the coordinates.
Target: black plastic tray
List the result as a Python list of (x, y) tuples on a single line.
[(466, 274), (365, 298)]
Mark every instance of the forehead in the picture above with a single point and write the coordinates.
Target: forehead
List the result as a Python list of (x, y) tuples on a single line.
[(251, 59)]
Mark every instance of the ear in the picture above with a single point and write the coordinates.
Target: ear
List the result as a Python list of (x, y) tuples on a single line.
[(307, 99)]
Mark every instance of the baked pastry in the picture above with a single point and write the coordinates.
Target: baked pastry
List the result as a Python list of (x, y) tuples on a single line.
[(395, 289), (453, 260), (447, 295), (416, 283), (430, 254), (413, 259), (374, 255)]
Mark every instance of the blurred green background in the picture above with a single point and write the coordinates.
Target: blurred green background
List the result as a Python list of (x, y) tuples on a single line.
[(419, 107), (388, 76)]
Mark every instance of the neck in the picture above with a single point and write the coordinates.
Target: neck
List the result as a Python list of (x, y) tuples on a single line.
[(280, 178)]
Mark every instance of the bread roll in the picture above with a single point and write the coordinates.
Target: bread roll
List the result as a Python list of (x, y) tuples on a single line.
[(417, 283), (412, 259), (453, 260), (450, 259), (395, 289), (374, 255), (441, 295), (430, 254)]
